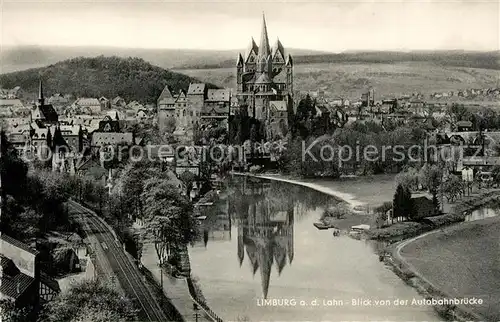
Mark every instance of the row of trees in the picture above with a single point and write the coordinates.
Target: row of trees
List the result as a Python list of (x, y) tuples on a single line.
[(481, 118), (90, 301), (160, 200), (361, 148), (32, 202)]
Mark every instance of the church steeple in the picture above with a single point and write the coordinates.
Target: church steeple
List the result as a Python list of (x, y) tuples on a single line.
[(41, 99), (264, 48), (264, 56)]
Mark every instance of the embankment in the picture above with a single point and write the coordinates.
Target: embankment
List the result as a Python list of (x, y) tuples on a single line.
[(458, 213), (456, 262)]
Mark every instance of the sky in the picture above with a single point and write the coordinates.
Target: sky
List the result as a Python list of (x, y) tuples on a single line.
[(333, 26)]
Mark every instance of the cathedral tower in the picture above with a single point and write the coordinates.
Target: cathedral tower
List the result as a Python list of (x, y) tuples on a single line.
[(265, 80)]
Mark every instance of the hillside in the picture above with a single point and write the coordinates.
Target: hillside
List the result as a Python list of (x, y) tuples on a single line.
[(486, 60), (131, 78), (352, 79), (24, 57)]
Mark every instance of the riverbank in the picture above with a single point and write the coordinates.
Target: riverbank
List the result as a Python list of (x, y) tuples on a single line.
[(470, 251), (175, 289), (458, 213)]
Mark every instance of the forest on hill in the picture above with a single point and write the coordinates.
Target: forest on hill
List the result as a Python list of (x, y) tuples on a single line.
[(130, 78)]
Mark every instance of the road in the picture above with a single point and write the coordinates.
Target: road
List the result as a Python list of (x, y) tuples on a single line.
[(129, 276)]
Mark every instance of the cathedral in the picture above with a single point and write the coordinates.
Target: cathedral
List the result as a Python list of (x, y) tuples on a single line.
[(265, 80)]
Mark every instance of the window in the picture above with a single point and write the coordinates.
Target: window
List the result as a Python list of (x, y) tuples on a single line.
[(184, 113)]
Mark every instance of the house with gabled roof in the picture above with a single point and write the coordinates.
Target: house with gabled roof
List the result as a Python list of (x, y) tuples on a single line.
[(217, 104), (118, 102), (105, 103), (21, 279), (91, 104), (134, 105)]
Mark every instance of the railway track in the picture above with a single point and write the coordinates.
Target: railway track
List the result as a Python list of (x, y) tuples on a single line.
[(129, 276)]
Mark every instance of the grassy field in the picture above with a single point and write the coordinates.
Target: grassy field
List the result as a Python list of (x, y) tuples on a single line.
[(463, 261), (351, 79)]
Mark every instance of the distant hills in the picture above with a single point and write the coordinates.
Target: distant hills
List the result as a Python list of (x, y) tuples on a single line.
[(24, 57), (487, 60), (130, 78)]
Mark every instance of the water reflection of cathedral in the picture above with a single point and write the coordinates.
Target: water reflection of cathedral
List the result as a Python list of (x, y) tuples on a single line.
[(265, 229)]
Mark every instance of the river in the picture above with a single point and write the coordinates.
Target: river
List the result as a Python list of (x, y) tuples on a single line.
[(259, 244), (482, 213)]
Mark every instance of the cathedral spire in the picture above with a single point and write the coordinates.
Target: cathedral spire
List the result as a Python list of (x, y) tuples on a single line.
[(264, 48)]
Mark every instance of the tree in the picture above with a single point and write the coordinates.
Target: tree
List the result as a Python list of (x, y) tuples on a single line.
[(90, 301), (384, 208), (402, 203), (431, 177), (458, 112), (381, 212), (188, 179), (452, 188), (495, 173), (170, 223), (408, 178), (10, 313)]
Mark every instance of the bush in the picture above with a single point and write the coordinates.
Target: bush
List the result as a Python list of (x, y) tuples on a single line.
[(384, 208), (255, 169), (339, 211)]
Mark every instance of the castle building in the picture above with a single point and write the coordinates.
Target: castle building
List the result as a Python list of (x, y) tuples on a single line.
[(265, 80), (186, 110)]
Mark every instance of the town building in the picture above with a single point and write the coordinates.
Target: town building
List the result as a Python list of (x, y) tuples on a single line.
[(118, 102), (21, 278), (58, 100), (166, 110), (44, 113), (11, 106), (105, 103), (109, 135), (187, 110), (13, 93), (91, 105), (464, 126), (134, 105), (264, 76)]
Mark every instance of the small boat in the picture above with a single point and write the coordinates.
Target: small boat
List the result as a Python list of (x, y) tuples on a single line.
[(321, 226), (201, 217), (204, 204), (357, 230)]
